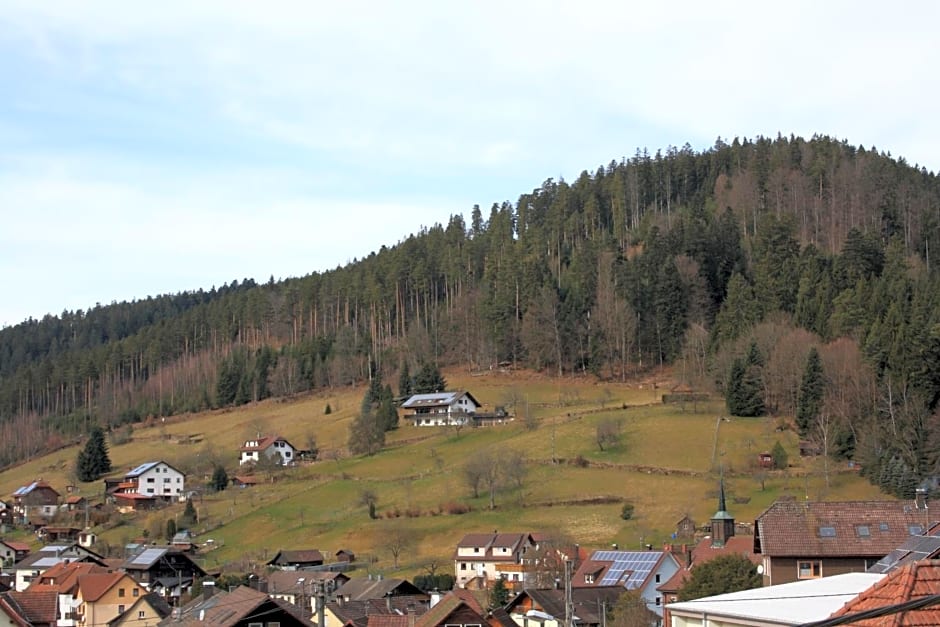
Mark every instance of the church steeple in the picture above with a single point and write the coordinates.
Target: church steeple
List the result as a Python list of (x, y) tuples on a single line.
[(722, 521)]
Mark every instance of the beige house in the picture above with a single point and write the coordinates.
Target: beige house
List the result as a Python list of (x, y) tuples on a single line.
[(484, 557), (103, 597), (149, 610)]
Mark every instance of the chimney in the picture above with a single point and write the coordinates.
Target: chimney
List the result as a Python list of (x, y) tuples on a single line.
[(208, 589), (411, 617), (920, 498)]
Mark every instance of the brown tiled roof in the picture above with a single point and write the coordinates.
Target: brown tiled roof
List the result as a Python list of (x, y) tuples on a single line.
[(263, 443), (913, 581), (16, 546), (437, 614), (74, 499), (39, 608), (388, 620), (93, 586), (789, 528), (362, 588), (63, 577), (743, 545), (9, 609), (469, 598), (222, 609)]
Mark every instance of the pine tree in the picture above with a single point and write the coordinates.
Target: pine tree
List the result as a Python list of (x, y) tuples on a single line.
[(219, 479), (744, 394), (499, 594), (93, 460), (812, 388), (404, 381), (429, 379), (189, 517)]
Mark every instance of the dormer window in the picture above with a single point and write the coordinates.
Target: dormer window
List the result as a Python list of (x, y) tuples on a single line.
[(589, 578)]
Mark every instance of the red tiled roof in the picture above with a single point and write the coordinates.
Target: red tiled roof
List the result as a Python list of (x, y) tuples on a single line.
[(789, 528), (918, 579), (387, 620), (63, 577), (743, 545), (93, 586), (263, 443), (675, 583), (16, 546), (74, 499), (36, 607)]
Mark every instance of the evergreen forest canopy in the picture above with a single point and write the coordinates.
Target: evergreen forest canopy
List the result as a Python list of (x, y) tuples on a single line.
[(733, 264)]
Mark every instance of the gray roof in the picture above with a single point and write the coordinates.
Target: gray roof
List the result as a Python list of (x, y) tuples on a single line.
[(914, 549), (436, 399), (145, 559)]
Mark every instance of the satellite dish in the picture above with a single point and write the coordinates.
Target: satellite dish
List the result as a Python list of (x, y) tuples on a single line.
[(760, 569)]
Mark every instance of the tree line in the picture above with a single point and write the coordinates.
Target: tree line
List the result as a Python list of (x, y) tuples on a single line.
[(679, 257)]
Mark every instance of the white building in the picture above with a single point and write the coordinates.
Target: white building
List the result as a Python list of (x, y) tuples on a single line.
[(440, 409), (784, 604), (156, 479), (488, 556), (269, 446)]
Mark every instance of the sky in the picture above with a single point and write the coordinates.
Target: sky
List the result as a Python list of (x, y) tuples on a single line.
[(155, 148)]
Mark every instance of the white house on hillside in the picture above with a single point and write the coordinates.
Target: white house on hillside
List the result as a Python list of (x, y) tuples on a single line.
[(156, 479), (269, 446), (440, 409)]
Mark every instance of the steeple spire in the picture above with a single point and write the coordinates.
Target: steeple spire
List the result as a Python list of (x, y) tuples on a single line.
[(722, 521)]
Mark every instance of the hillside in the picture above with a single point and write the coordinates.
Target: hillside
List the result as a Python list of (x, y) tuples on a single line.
[(664, 465), (801, 265)]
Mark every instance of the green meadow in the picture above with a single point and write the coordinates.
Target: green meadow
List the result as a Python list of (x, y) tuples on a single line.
[(666, 463)]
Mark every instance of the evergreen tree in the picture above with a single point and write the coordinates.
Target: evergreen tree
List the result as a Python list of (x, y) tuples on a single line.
[(189, 518), (404, 382), (499, 594), (93, 460), (366, 433), (744, 394), (781, 459), (812, 388), (219, 479), (429, 379), (170, 529)]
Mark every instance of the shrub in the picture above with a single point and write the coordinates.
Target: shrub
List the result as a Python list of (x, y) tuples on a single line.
[(580, 461), (456, 508), (328, 410), (626, 512)]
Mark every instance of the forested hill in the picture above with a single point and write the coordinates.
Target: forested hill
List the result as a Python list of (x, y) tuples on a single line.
[(755, 257)]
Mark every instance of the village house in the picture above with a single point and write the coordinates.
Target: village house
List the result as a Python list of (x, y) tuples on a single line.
[(546, 607), (440, 409), (35, 499), (271, 446), (809, 540), (12, 551), (35, 564), (295, 560), (169, 572), (242, 607), (63, 580), (301, 588), (147, 611), (633, 570), (154, 479), (28, 609), (102, 597), (484, 557)]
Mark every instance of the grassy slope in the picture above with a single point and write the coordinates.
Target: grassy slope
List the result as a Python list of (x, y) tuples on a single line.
[(665, 465)]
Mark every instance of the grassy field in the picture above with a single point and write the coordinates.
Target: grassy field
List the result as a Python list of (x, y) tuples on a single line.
[(666, 464)]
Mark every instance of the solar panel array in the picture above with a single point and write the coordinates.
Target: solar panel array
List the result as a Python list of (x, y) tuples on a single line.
[(147, 557), (915, 549), (628, 568)]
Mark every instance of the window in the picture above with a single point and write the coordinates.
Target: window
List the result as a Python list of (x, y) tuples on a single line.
[(915, 530), (827, 532), (863, 531), (809, 569), (141, 615), (476, 549), (589, 578), (255, 624), (150, 479), (121, 592), (883, 526), (659, 600), (166, 480), (463, 566), (274, 624), (657, 578), (120, 609)]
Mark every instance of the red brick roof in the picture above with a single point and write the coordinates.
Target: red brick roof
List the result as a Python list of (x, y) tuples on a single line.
[(63, 577), (743, 545), (918, 579), (790, 528), (263, 443)]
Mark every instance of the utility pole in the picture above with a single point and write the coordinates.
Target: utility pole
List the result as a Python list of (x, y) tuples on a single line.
[(569, 604)]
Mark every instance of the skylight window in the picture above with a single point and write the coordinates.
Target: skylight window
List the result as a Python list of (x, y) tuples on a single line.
[(915, 530), (827, 532), (883, 526), (863, 531)]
